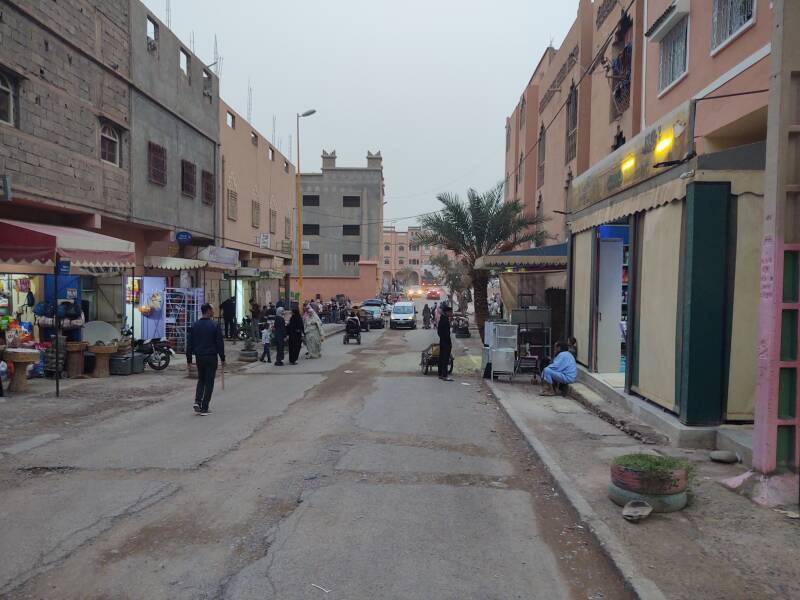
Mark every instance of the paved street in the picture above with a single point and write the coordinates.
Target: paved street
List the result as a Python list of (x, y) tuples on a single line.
[(353, 474)]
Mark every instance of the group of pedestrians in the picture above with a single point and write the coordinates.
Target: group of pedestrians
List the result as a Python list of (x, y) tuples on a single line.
[(301, 328)]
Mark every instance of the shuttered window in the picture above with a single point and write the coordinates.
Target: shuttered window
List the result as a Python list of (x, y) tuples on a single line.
[(188, 178), (255, 214), (273, 221), (157, 163), (233, 205), (209, 191)]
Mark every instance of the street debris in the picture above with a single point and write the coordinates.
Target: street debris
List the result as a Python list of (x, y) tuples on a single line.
[(465, 383), (311, 476), (636, 510), (348, 371), (319, 587), (787, 513), (725, 456)]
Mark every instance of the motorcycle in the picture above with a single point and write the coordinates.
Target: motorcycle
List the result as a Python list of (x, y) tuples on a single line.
[(157, 351)]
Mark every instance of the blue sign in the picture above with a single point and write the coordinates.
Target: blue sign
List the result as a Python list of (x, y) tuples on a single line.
[(183, 237), (63, 267)]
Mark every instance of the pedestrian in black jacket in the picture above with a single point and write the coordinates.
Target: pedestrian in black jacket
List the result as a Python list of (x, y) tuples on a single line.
[(280, 336), (228, 309), (205, 343), (445, 343), (295, 330)]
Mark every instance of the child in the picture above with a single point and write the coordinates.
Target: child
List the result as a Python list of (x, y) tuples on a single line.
[(265, 341)]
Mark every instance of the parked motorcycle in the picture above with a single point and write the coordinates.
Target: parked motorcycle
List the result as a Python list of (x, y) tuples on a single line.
[(157, 351)]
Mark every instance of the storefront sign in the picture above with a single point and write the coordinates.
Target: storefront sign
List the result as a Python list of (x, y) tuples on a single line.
[(222, 256), (63, 267), (644, 157), (183, 238)]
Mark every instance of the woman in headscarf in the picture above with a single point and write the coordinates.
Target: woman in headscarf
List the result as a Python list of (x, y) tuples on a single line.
[(280, 336), (314, 332), (295, 330)]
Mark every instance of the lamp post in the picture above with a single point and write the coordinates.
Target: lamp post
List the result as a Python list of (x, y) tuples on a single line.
[(308, 113)]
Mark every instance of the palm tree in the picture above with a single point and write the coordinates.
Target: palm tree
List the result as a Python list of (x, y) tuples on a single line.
[(484, 224)]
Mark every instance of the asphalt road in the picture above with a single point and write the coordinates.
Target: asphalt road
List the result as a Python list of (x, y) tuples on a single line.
[(348, 477)]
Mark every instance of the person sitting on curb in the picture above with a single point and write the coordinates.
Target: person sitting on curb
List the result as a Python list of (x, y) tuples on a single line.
[(563, 370)]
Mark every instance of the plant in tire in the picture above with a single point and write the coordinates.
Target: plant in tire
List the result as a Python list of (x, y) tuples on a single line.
[(651, 474), (485, 224)]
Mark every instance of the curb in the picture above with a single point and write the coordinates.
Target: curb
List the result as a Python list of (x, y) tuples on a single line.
[(641, 586)]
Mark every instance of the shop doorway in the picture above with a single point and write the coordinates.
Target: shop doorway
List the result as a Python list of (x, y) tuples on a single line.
[(612, 303)]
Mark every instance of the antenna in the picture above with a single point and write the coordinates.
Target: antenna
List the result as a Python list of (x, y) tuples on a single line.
[(217, 59), (249, 102), (169, 14)]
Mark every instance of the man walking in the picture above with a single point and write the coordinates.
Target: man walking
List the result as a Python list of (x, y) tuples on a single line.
[(228, 309), (445, 343), (205, 343)]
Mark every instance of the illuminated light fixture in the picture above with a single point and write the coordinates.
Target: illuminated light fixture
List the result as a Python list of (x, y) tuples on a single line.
[(628, 164), (665, 142)]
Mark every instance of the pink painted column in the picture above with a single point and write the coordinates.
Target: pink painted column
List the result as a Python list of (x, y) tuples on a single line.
[(776, 442)]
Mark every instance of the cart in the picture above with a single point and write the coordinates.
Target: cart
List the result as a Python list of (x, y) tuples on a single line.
[(430, 359)]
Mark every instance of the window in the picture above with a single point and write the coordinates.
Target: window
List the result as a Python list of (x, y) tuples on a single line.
[(673, 54), (310, 259), (230, 120), (288, 231), (271, 153), (233, 205), (351, 201), (209, 191), (386, 261), (310, 229), (6, 100), (619, 140), (401, 248), (255, 214), (521, 168), (208, 84), (541, 148), (729, 18), (157, 163), (310, 200), (273, 221), (522, 110), (508, 136), (387, 248), (286, 166), (351, 229), (109, 144), (184, 62), (413, 261), (572, 124), (152, 34), (254, 138), (413, 248), (401, 262), (351, 259), (621, 68), (188, 178)]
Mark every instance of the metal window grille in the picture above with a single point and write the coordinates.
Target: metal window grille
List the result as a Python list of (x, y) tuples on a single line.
[(157, 163), (310, 259), (673, 54), (351, 201), (273, 221), (310, 200), (188, 178), (209, 192), (351, 229), (728, 18), (255, 213), (233, 205), (310, 229), (572, 125), (541, 150), (351, 258)]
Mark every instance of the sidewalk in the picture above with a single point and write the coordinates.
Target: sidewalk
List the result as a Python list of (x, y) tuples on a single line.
[(715, 548)]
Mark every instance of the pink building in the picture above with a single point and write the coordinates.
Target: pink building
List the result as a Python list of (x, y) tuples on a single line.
[(405, 261)]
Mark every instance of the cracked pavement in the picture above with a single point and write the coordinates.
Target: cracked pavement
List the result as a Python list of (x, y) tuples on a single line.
[(379, 483)]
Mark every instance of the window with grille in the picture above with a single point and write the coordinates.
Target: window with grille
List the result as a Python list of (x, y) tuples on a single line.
[(288, 232), (310, 259), (6, 99), (109, 142), (351, 201), (572, 124), (621, 69), (401, 248), (413, 248), (401, 262), (541, 149), (273, 221), (387, 248), (673, 54), (209, 191), (310, 200), (310, 229), (188, 179), (351, 229), (386, 261), (255, 214), (413, 261), (157, 163), (233, 205), (729, 17), (351, 259)]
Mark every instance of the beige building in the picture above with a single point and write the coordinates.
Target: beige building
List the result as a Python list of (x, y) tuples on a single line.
[(405, 261), (255, 216)]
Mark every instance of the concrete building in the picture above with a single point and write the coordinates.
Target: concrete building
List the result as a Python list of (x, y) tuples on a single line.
[(405, 262), (342, 229), (255, 216)]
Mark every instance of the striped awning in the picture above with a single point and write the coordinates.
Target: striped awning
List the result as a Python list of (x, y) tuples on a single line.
[(171, 263), (554, 256)]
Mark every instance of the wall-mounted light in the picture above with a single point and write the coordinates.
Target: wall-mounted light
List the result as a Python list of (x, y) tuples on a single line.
[(665, 142), (628, 164)]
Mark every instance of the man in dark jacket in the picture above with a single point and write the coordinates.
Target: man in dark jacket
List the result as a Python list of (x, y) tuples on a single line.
[(445, 343), (205, 343), (228, 309), (280, 336)]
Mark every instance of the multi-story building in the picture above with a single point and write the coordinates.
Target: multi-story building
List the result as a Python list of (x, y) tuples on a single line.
[(255, 216), (342, 229), (405, 261), (642, 141), (108, 124)]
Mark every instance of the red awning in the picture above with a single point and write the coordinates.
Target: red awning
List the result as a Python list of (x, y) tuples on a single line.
[(30, 243)]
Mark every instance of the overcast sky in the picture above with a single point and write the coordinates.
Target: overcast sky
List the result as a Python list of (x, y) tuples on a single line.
[(427, 82)]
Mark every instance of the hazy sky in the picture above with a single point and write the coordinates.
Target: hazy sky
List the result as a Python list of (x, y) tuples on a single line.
[(427, 82)]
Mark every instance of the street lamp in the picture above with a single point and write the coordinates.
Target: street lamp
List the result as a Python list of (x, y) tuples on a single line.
[(308, 113)]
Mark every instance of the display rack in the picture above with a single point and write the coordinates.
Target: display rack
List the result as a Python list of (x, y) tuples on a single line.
[(182, 310)]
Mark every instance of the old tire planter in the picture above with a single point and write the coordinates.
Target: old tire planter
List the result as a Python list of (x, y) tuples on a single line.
[(663, 503), (649, 482)]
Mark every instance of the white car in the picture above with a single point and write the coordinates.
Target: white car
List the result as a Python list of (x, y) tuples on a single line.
[(404, 314)]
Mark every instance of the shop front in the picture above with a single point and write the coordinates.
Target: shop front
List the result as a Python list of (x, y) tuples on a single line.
[(664, 261)]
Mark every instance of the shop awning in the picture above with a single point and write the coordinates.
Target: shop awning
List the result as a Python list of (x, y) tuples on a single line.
[(543, 256), (36, 243), (171, 263)]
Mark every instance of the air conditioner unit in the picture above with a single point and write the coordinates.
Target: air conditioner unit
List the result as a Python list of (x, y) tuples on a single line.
[(265, 241)]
